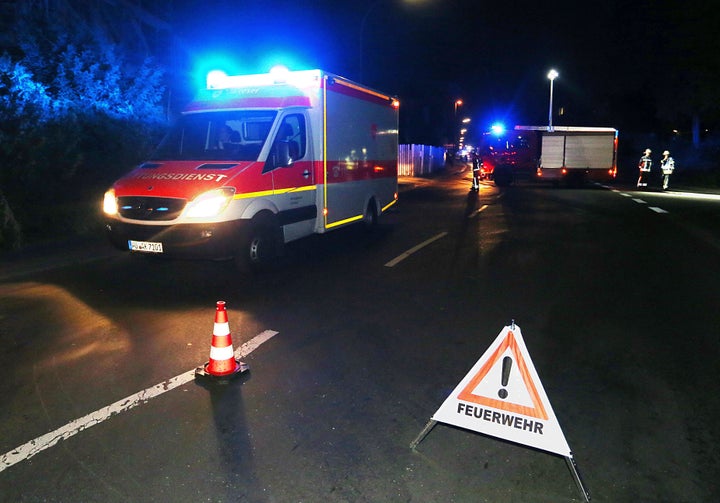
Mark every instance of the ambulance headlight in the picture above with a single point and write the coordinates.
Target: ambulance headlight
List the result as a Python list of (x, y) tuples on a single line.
[(210, 204), (110, 206)]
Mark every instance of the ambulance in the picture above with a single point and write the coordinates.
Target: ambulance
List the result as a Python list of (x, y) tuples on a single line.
[(257, 161)]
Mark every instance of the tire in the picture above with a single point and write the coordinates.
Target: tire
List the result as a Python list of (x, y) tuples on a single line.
[(260, 245), (503, 176)]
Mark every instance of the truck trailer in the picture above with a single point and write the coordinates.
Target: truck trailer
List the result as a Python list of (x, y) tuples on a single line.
[(571, 154), (257, 161)]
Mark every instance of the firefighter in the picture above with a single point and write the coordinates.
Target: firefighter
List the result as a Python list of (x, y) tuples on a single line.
[(667, 165), (476, 163), (644, 165)]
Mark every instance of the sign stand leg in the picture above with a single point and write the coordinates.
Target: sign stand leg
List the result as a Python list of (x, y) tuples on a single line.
[(429, 426), (568, 459), (576, 475)]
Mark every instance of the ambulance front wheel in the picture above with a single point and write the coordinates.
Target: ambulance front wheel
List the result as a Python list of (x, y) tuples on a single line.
[(261, 244)]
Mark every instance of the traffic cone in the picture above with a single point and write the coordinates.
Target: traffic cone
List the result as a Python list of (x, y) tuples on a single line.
[(222, 361)]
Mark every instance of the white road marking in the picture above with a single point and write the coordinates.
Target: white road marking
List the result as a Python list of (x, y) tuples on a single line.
[(254, 343), (29, 449), (477, 211), (406, 254), (640, 201)]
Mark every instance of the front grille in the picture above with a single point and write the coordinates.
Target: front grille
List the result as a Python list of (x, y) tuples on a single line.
[(150, 208)]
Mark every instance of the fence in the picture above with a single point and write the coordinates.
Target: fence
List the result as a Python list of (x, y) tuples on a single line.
[(420, 160)]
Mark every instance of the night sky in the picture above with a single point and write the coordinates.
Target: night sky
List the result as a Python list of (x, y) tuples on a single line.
[(627, 64)]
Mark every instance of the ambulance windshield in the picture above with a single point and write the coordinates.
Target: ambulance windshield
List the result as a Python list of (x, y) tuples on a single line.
[(233, 135)]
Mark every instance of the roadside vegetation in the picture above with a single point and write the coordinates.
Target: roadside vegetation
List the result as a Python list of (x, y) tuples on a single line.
[(75, 113)]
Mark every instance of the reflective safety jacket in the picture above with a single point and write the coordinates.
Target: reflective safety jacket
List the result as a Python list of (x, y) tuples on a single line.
[(645, 163), (667, 166)]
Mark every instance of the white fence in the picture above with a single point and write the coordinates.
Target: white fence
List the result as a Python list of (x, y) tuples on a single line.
[(420, 160)]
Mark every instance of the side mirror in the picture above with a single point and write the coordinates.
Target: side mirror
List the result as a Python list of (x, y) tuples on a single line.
[(282, 154), (279, 156)]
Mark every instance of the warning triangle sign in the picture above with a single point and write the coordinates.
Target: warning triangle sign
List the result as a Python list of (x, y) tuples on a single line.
[(502, 396)]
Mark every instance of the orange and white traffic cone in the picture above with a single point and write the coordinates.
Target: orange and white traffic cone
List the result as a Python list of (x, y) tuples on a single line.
[(222, 361)]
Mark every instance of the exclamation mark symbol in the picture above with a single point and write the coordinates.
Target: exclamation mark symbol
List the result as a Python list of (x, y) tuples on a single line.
[(507, 365)]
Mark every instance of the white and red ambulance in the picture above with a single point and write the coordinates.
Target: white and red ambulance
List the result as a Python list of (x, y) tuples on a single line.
[(256, 161)]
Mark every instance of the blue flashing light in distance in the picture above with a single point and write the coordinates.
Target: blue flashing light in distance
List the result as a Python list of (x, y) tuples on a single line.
[(497, 129)]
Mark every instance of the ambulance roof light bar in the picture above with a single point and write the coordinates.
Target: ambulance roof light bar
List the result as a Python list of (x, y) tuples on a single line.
[(216, 79), (278, 75)]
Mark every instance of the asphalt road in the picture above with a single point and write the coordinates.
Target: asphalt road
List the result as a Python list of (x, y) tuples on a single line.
[(363, 338)]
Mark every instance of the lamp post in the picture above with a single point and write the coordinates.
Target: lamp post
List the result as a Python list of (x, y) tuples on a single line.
[(552, 75), (453, 122), (457, 104)]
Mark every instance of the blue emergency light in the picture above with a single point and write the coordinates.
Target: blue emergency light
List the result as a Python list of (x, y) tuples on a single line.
[(279, 73), (216, 79), (497, 129)]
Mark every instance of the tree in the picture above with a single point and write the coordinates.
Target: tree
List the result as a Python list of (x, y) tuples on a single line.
[(75, 109), (690, 47)]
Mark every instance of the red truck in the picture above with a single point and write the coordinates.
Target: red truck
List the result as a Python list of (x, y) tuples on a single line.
[(563, 154)]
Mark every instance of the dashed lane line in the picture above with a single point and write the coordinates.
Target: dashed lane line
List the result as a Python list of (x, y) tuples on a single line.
[(699, 233), (477, 211), (422, 245), (656, 209)]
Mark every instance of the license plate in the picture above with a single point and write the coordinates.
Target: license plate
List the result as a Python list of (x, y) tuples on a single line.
[(145, 246)]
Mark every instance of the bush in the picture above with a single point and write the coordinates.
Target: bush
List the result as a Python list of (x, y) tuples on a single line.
[(70, 122), (10, 235)]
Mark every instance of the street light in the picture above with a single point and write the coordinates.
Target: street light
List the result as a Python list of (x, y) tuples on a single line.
[(463, 130), (457, 104), (552, 75)]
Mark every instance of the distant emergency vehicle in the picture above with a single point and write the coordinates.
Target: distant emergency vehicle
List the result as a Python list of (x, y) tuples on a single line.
[(564, 154), (257, 161)]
